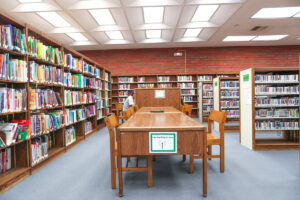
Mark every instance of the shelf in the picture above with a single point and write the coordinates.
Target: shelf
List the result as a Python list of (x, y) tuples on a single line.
[(15, 53), (187, 81), (89, 75), (43, 61), (75, 122), (277, 94), (51, 153), (36, 136), (188, 88), (71, 87), (48, 108), (13, 113), (276, 83), (230, 97), (230, 107), (207, 97), (188, 95), (275, 106), (72, 70), (273, 118), (13, 174), (73, 105), (91, 88), (230, 88), (46, 84), (16, 82), (275, 130), (18, 142), (276, 144)]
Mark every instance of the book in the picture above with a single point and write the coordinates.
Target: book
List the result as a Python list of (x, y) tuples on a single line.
[(5, 160), (13, 100), (45, 73), (70, 135), (24, 129), (10, 131), (42, 98), (12, 69)]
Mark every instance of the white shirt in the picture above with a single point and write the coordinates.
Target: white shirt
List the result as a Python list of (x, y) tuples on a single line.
[(129, 102)]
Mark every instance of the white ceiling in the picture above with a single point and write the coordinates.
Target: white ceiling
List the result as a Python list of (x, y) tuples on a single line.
[(233, 17)]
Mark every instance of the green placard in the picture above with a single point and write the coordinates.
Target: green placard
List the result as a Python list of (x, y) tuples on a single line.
[(163, 142), (216, 83), (160, 94), (246, 77)]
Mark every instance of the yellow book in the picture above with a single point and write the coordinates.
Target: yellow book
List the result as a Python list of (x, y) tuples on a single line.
[(40, 50)]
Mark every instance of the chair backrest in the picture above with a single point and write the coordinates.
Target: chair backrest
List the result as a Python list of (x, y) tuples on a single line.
[(131, 109), (127, 114), (136, 108), (111, 123), (181, 108), (217, 116), (187, 109), (119, 107)]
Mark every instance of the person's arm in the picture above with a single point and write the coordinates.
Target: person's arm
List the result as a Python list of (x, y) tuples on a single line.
[(131, 101)]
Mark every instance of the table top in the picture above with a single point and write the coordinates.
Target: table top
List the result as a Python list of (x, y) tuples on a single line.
[(165, 121), (165, 109)]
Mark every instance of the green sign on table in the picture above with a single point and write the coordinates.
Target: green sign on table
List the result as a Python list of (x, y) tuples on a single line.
[(163, 142), (160, 94)]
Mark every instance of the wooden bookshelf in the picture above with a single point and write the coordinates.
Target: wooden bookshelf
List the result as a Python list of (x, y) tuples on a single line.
[(21, 155), (262, 112)]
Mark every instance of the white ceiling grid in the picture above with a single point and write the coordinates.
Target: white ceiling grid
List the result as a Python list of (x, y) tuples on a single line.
[(177, 29)]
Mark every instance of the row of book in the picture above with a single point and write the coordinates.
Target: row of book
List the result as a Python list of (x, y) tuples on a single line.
[(44, 52), (106, 86), (106, 76), (70, 135), (45, 73), (39, 149), (78, 97), (230, 94), (163, 78), (207, 87), (73, 80), (106, 102), (99, 104), (92, 83), (185, 78), (277, 125), (123, 93), (88, 127), (44, 98), (122, 100), (263, 89), (13, 69), (99, 114), (74, 115), (188, 92), (283, 101), (13, 100), (72, 62), (47, 122), (98, 94), (187, 98), (207, 101), (207, 94), (229, 84), (205, 78), (141, 79), (164, 85), (5, 160), (90, 111), (277, 78), (12, 38), (276, 113), (126, 79), (106, 94), (207, 109), (232, 113), (90, 69), (144, 85), (124, 87), (230, 103), (186, 85)]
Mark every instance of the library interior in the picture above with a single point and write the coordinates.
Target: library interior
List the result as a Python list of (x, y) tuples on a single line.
[(149, 99)]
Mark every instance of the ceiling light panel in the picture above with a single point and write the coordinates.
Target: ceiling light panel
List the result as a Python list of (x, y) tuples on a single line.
[(103, 16), (151, 34), (77, 36), (297, 15), (192, 32), (153, 14), (269, 37), (239, 38), (114, 35), (29, 1), (54, 19), (281, 12), (204, 12)]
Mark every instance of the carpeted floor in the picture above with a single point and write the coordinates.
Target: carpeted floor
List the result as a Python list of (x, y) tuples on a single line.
[(83, 173)]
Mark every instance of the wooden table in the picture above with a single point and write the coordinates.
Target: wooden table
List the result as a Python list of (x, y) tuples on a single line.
[(133, 136), (165, 109)]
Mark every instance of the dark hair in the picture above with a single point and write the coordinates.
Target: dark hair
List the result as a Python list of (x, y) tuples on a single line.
[(132, 92)]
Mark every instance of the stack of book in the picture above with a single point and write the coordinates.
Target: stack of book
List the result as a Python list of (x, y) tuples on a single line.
[(44, 98), (45, 74)]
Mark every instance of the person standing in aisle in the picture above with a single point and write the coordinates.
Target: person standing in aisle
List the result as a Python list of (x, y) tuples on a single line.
[(129, 101)]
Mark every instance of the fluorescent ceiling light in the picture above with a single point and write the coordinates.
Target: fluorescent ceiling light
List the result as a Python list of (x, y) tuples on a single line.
[(297, 15), (103, 16), (29, 1), (114, 35), (281, 12), (204, 12), (153, 14), (269, 37), (54, 19), (150, 34), (77, 36), (238, 38), (192, 32)]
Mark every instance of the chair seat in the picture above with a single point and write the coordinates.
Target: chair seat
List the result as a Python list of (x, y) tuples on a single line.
[(212, 139)]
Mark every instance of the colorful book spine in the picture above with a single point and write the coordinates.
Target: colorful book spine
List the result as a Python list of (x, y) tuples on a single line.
[(74, 115), (185, 78), (164, 85), (88, 127), (73, 80), (277, 102), (12, 38), (186, 85), (13, 69), (126, 79), (229, 84), (188, 92), (141, 79), (163, 78), (39, 149), (205, 78), (90, 111), (89, 69), (43, 98), (73, 97), (292, 78), (5, 160), (13, 100), (146, 85), (45, 74), (263, 89), (188, 98), (70, 135), (106, 76), (72, 62), (89, 82), (89, 97), (277, 125)]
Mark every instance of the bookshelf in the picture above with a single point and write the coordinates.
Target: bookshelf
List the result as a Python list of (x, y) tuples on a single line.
[(270, 105), (226, 99), (205, 96), (40, 72)]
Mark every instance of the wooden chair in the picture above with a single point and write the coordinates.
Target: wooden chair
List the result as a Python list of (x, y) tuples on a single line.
[(187, 109), (131, 109), (112, 123), (220, 117), (181, 108), (119, 109), (136, 108), (127, 114)]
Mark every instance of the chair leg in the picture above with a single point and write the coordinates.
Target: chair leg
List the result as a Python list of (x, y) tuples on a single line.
[(209, 150), (113, 170), (222, 158), (183, 158), (191, 163), (149, 166), (153, 158)]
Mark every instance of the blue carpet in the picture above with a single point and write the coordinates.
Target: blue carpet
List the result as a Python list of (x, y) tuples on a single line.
[(84, 173)]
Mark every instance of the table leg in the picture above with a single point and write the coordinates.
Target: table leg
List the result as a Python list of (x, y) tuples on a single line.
[(119, 160), (205, 166)]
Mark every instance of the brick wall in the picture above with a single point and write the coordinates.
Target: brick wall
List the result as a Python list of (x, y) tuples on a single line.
[(198, 60)]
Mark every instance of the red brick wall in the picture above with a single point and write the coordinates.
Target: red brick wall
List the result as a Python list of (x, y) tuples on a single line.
[(199, 60)]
